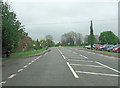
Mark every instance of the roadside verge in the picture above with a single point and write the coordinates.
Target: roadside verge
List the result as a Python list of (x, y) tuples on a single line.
[(100, 52)]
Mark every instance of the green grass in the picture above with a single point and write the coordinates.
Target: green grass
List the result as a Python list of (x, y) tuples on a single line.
[(75, 46), (27, 53)]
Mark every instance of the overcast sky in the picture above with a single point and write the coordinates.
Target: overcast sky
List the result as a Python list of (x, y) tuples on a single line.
[(58, 17)]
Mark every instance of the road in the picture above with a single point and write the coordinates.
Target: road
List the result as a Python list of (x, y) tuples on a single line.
[(62, 67)]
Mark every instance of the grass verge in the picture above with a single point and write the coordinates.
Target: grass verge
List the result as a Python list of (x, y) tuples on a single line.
[(25, 53), (94, 50)]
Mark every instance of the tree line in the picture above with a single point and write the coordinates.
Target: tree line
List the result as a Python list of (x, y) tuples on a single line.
[(76, 39)]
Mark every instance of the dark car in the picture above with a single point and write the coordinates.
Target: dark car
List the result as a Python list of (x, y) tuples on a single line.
[(111, 48), (105, 47)]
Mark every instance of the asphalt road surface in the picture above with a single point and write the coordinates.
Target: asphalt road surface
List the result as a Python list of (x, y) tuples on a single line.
[(62, 67)]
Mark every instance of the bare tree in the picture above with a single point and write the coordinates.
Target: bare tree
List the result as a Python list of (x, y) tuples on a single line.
[(71, 38)]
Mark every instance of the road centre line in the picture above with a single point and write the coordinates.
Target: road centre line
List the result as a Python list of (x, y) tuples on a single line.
[(2, 83), (62, 54), (86, 65), (29, 63), (32, 61), (81, 60), (20, 70), (11, 76), (93, 73), (107, 67), (72, 70), (25, 66), (59, 51)]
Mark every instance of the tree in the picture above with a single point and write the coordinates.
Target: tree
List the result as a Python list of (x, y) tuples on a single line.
[(71, 38), (86, 39), (91, 38), (78, 39), (108, 37), (10, 29), (49, 40)]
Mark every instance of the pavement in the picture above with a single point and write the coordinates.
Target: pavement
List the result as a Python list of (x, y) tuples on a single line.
[(62, 67)]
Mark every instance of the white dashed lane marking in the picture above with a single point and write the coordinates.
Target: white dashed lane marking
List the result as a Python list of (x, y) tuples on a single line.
[(11, 76), (29, 63), (20, 70), (25, 66), (2, 83)]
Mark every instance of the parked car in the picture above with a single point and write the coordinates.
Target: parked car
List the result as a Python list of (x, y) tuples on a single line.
[(88, 47), (97, 47), (117, 50), (111, 48), (105, 47), (94, 45)]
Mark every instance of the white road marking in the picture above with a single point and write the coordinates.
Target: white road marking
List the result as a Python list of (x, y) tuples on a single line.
[(25, 66), (29, 63), (80, 55), (35, 59), (32, 61), (60, 51), (93, 73), (2, 83), (11, 76), (39, 57), (85, 57), (107, 67), (81, 60), (63, 56), (20, 70), (74, 73), (86, 65)]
